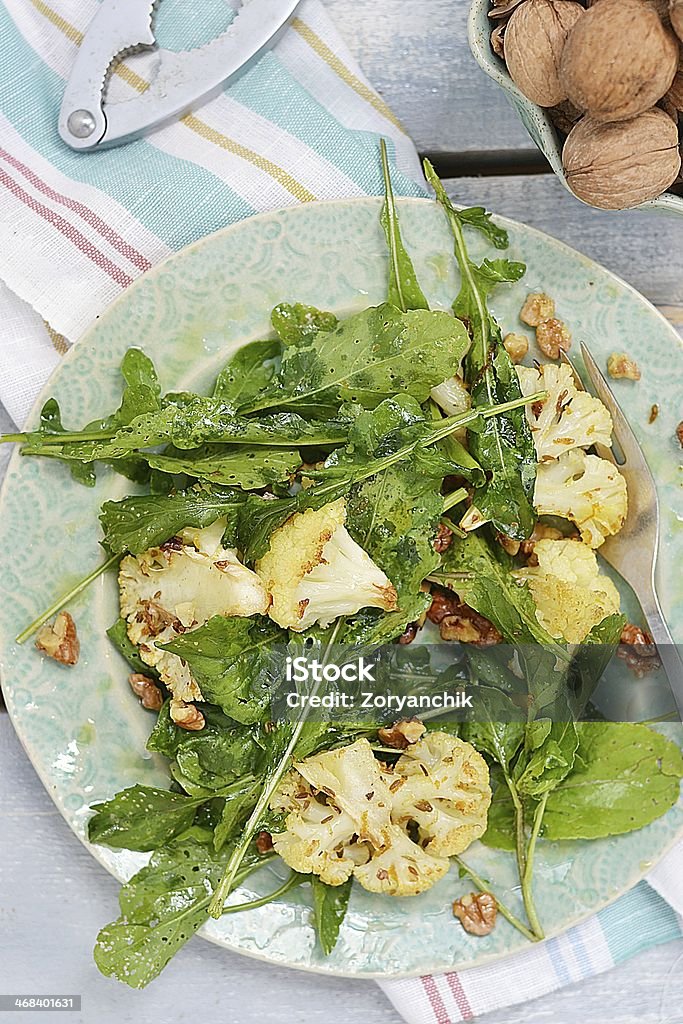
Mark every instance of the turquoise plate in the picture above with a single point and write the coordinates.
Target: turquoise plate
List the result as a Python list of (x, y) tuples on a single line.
[(83, 729)]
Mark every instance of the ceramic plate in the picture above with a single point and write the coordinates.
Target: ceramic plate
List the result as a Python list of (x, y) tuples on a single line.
[(82, 727)]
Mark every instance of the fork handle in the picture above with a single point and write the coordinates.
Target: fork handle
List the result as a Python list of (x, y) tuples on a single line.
[(667, 650)]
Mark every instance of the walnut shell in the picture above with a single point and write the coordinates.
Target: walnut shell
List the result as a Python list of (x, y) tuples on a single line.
[(617, 166), (674, 97), (618, 60), (676, 16), (534, 41)]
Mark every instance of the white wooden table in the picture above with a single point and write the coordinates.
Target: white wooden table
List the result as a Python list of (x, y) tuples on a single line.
[(53, 895)]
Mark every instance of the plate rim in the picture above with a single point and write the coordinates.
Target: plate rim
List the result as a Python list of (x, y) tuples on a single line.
[(12, 465)]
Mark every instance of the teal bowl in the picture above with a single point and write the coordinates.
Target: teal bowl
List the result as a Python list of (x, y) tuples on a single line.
[(535, 119)]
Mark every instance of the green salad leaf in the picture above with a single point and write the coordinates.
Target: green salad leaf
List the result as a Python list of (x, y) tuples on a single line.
[(162, 906), (626, 775), (247, 467), (226, 657), (503, 448), (330, 903), (141, 818), (370, 356), (296, 324), (118, 634), (246, 373), (143, 521), (404, 290)]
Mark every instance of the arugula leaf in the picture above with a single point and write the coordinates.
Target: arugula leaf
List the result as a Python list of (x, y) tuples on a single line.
[(501, 824), (236, 810), (625, 776), (194, 421), (249, 468), (483, 580), (296, 324), (394, 516), (503, 448), (476, 217), (118, 634), (330, 903), (404, 290), (51, 424), (141, 818), (492, 732), (226, 657), (222, 753), (162, 906), (143, 521), (548, 756), (366, 358), (246, 373)]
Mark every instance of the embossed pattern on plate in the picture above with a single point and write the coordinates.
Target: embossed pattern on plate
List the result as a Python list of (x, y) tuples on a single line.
[(83, 729)]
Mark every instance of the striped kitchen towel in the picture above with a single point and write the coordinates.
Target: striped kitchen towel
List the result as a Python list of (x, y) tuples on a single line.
[(77, 229), (648, 915)]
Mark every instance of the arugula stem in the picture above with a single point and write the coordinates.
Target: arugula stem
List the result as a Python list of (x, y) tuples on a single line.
[(454, 498), (294, 879), (270, 784), (483, 886), (527, 875), (65, 598), (520, 839), (59, 439)]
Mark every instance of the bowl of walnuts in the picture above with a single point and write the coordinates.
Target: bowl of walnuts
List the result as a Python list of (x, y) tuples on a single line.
[(598, 85)]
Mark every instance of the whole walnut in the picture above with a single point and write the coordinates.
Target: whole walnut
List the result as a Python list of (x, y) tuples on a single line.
[(617, 166), (676, 15), (618, 60), (534, 41), (674, 97)]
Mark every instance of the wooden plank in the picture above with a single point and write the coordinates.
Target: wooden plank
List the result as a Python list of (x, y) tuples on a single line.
[(418, 59), (644, 248)]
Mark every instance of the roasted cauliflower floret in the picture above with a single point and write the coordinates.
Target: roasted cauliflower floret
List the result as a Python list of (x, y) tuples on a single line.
[(355, 778), (179, 586), (452, 396), (319, 839), (347, 814), (402, 868), (585, 489), (316, 572), (567, 418), (445, 790), (570, 592)]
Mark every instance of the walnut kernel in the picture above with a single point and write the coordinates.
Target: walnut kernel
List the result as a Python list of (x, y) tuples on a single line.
[(476, 912), (402, 734), (59, 640), (187, 716), (537, 308), (516, 346), (553, 337), (622, 367), (147, 690)]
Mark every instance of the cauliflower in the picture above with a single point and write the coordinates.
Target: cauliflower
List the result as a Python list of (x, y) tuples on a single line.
[(315, 571), (588, 490), (452, 396), (567, 418), (570, 592), (450, 803), (402, 869), (177, 587), (348, 814)]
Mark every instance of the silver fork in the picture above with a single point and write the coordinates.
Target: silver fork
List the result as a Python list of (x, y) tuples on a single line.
[(633, 551)]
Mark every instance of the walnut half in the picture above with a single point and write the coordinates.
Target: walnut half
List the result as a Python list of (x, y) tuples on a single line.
[(477, 912), (187, 716), (402, 734), (59, 640), (147, 690)]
